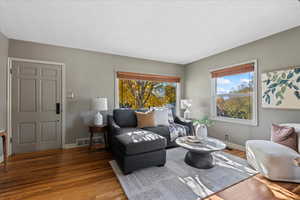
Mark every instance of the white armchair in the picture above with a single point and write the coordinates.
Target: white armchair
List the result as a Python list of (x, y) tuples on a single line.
[(275, 161)]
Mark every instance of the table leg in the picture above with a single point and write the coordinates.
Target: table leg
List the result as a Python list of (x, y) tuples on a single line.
[(199, 160), (91, 140), (105, 140), (4, 150)]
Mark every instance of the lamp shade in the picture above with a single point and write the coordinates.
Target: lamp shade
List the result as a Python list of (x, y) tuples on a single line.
[(99, 104)]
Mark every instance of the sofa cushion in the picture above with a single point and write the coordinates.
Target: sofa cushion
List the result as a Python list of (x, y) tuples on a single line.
[(284, 135), (142, 141), (125, 117), (126, 130), (160, 130), (161, 116), (163, 131), (145, 119), (296, 126)]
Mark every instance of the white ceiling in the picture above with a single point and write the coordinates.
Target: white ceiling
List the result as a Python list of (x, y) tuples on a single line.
[(176, 31)]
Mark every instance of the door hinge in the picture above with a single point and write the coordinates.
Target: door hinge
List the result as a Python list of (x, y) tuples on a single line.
[(10, 71), (10, 140)]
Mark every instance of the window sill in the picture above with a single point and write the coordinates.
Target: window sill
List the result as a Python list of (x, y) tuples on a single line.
[(236, 121)]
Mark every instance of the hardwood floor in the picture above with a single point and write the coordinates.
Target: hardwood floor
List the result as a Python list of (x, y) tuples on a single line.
[(77, 174)]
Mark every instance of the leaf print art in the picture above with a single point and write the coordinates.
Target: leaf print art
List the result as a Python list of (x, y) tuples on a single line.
[(281, 89)]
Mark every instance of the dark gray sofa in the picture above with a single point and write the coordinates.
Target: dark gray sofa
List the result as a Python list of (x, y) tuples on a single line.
[(131, 156)]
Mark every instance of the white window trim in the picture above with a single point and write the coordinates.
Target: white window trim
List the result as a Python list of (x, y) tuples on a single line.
[(254, 121), (178, 95)]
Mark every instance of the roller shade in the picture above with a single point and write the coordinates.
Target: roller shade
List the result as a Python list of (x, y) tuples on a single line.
[(147, 77), (249, 67)]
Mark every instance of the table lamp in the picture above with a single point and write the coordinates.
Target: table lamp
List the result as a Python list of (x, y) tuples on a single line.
[(99, 104), (186, 105)]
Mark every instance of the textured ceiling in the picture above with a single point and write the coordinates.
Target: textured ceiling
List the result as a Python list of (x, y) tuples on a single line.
[(164, 30)]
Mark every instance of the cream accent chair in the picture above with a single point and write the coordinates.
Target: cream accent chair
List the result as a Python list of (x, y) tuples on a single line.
[(275, 161)]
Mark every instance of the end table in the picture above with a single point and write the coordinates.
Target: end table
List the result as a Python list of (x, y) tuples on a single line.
[(98, 129)]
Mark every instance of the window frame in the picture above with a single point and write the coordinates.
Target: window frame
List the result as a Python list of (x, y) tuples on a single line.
[(254, 121), (116, 93)]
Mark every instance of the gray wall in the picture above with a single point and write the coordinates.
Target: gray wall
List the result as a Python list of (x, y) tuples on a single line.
[(91, 74), (3, 64), (274, 52), (88, 74)]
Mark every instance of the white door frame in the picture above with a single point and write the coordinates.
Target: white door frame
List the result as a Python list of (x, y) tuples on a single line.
[(9, 97)]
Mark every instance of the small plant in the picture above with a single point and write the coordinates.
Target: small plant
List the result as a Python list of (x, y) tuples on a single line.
[(204, 121)]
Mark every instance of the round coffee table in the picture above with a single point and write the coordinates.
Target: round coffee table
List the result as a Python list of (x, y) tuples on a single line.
[(199, 154)]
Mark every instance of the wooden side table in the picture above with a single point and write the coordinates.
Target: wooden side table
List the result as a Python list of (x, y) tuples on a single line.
[(4, 143), (98, 129)]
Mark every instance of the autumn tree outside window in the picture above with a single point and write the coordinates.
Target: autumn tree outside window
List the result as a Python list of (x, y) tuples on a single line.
[(234, 93), (137, 91)]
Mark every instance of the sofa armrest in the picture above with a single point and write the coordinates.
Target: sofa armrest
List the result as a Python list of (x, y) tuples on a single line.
[(263, 155), (111, 122), (189, 124), (113, 128)]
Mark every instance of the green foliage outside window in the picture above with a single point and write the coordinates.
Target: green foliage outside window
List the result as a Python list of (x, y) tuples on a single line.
[(137, 94), (237, 101)]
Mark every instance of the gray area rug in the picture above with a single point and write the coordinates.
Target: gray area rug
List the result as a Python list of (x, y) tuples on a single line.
[(178, 181)]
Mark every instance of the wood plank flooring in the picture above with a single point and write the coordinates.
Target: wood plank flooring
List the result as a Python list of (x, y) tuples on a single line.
[(78, 174)]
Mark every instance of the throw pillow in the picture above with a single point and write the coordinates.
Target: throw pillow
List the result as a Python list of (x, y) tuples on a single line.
[(161, 116), (145, 119), (171, 117), (284, 135)]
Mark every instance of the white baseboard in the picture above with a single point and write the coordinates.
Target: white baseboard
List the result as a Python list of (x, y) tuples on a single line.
[(235, 146), (70, 146)]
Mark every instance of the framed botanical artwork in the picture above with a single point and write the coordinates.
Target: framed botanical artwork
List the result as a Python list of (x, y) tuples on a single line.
[(281, 89)]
